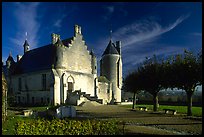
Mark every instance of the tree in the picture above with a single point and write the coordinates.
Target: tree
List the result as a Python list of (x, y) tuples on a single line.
[(185, 73), (152, 76), (4, 98), (132, 84)]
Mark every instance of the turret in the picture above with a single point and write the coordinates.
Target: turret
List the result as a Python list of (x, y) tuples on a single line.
[(26, 46), (111, 67)]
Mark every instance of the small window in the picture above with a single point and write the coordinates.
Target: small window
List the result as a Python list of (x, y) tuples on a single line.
[(41, 100), (108, 91), (48, 100)]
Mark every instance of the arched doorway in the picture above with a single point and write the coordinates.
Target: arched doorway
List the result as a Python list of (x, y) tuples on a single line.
[(70, 81)]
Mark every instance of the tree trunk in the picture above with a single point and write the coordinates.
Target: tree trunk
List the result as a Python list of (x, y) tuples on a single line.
[(155, 101), (134, 101), (189, 101)]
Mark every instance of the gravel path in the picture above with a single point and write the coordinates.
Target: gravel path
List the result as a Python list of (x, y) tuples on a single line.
[(144, 122)]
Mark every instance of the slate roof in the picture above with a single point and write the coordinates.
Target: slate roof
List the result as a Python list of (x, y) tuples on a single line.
[(36, 59), (110, 49), (103, 79)]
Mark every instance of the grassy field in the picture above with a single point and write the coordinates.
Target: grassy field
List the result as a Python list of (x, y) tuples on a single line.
[(197, 111)]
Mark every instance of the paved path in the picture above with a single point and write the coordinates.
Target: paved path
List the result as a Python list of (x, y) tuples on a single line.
[(141, 122)]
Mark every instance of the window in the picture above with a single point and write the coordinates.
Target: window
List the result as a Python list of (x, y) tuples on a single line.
[(19, 83), (41, 100), (70, 86), (43, 81)]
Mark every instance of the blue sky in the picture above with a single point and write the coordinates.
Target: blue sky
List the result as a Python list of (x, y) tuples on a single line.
[(145, 28)]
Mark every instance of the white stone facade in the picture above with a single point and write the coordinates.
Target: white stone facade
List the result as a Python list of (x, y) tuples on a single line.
[(72, 77)]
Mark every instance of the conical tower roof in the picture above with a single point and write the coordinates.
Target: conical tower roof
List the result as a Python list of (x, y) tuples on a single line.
[(110, 49), (10, 58)]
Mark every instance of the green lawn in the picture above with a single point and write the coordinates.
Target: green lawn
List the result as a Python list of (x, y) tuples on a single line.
[(8, 127), (38, 108), (197, 111)]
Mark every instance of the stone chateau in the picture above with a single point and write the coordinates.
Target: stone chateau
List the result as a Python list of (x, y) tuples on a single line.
[(65, 71)]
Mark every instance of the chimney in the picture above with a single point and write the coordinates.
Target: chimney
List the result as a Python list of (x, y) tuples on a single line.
[(18, 58), (77, 29), (118, 46), (55, 37)]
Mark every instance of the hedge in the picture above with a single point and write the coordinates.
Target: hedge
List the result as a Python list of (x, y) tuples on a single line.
[(67, 127)]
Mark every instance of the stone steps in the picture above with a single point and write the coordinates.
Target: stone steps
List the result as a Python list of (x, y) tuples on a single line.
[(91, 98)]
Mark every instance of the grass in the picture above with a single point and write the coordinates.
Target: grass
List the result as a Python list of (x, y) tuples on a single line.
[(8, 127), (197, 111), (38, 108)]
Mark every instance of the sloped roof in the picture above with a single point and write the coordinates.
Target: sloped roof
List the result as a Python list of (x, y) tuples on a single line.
[(103, 79), (36, 59), (110, 49), (10, 58)]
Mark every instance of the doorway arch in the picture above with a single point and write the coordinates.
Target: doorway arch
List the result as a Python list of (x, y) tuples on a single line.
[(70, 83)]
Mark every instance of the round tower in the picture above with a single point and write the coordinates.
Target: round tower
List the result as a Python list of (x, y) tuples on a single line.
[(111, 68)]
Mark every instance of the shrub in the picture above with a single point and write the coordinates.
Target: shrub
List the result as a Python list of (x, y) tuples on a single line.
[(67, 127)]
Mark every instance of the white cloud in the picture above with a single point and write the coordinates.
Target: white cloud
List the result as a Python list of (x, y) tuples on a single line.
[(27, 21), (58, 22), (109, 10), (143, 30), (118, 8), (167, 50), (142, 35)]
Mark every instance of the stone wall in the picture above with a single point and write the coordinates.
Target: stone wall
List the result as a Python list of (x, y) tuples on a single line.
[(32, 87), (104, 92), (76, 57)]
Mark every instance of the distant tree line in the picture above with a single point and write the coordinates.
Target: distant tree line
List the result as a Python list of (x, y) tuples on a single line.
[(182, 71)]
